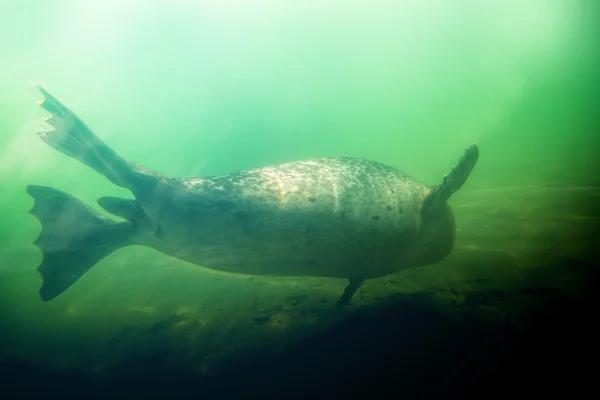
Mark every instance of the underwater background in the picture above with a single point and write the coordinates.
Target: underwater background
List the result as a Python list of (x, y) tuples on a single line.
[(199, 88)]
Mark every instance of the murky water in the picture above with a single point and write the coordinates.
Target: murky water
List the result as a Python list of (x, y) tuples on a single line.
[(203, 88)]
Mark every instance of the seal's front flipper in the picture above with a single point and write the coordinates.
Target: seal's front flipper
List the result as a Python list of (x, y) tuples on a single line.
[(352, 287), (459, 174), (454, 180), (74, 238)]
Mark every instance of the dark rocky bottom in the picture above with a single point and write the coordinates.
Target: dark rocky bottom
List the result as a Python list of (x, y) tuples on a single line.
[(372, 355), (511, 312)]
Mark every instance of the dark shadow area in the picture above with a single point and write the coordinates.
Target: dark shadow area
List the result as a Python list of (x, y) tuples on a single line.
[(409, 346), (403, 348)]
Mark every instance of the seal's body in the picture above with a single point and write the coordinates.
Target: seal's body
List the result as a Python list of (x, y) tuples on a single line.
[(332, 217)]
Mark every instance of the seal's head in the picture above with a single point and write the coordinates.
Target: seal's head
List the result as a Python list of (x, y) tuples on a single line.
[(436, 236)]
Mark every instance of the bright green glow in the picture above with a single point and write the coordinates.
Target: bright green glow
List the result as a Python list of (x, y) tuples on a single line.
[(381, 67), (207, 87)]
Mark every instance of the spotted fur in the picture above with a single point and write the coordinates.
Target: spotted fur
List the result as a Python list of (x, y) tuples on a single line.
[(325, 217), (331, 217)]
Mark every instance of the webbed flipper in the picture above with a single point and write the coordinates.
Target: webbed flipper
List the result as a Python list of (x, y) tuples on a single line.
[(73, 239), (128, 209), (453, 180), (71, 136)]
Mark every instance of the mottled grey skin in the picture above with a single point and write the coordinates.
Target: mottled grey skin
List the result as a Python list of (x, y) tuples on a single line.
[(331, 217), (336, 217)]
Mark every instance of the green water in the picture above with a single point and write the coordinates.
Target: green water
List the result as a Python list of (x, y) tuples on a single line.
[(210, 87)]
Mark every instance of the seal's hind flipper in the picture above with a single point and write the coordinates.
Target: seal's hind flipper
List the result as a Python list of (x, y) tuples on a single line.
[(73, 239), (124, 208), (71, 136)]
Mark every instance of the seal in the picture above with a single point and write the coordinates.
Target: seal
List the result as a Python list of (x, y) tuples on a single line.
[(330, 217)]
